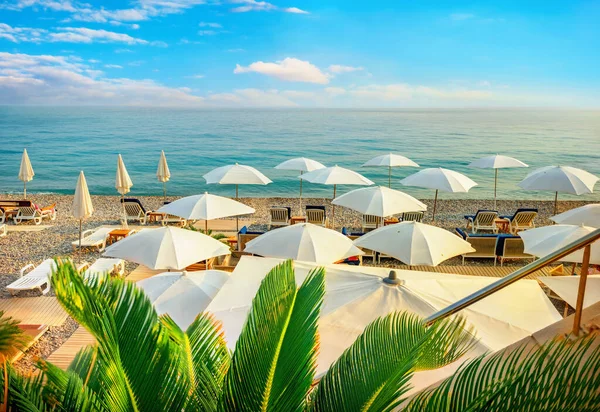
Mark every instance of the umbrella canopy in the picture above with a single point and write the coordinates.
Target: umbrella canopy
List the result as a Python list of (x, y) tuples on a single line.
[(206, 207), (304, 241), (390, 160), (82, 202), (356, 296), (167, 248), (183, 295), (379, 201), (123, 182), (567, 288), (302, 165), (163, 173), (563, 179), (415, 243), (440, 179), (544, 240), (497, 162), (25, 171), (588, 215)]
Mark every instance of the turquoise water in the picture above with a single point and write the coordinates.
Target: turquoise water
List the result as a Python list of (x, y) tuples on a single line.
[(63, 140)]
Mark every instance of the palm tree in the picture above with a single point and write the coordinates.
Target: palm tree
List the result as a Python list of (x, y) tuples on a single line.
[(12, 340)]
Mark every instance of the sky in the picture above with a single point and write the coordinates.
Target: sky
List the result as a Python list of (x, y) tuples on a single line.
[(300, 53)]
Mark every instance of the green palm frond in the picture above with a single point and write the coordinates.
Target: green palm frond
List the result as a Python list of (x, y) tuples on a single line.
[(26, 392), (274, 360), (12, 337), (558, 376), (373, 373)]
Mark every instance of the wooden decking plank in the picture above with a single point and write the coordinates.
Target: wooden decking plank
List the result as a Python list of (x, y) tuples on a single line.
[(42, 310), (64, 355)]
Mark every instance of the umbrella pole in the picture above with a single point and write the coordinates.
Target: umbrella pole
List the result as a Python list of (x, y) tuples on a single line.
[(434, 205), (237, 219), (555, 202), (581, 291), (80, 220), (333, 210), (24, 190), (206, 226), (165, 191), (300, 194), (495, 185), (390, 177)]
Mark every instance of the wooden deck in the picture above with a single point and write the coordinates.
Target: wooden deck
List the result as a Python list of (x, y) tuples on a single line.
[(63, 356), (42, 310), (142, 272), (488, 271)]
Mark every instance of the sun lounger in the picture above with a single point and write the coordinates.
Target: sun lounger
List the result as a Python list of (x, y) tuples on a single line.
[(484, 245), (370, 222), (245, 236), (280, 216), (166, 218), (35, 214), (105, 266), (34, 278), (522, 219), (511, 247), (482, 220), (316, 215), (412, 216), (93, 239), (134, 210), (3, 230), (355, 235)]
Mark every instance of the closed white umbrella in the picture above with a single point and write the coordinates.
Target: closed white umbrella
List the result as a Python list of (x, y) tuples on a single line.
[(206, 207), (390, 160), (336, 175), (304, 241), (379, 201), (183, 295), (163, 173), (415, 243), (302, 165), (563, 179), (497, 162), (167, 248), (588, 215), (123, 185), (25, 172), (440, 179), (82, 202)]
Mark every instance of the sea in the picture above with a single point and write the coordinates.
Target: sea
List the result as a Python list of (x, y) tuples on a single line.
[(61, 141)]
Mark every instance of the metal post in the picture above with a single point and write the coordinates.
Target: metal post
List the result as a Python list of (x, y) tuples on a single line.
[(301, 214), (333, 210), (24, 190), (165, 191), (581, 291), (434, 205), (495, 185), (555, 202), (237, 219), (80, 220)]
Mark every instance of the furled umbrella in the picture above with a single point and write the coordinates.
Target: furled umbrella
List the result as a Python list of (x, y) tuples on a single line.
[(304, 241), (302, 165), (123, 185), (440, 179), (588, 215), (497, 162), (163, 173), (390, 160), (167, 248), (415, 243), (82, 202), (236, 175), (206, 207), (336, 175), (25, 172), (563, 179)]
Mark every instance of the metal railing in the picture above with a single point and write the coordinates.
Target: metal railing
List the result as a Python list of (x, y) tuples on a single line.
[(583, 242)]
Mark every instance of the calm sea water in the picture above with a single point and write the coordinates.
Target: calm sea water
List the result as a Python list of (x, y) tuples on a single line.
[(61, 141)]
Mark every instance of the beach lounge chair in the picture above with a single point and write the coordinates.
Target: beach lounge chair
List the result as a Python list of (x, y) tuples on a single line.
[(355, 235), (316, 215), (3, 230), (482, 220), (2, 215), (523, 219), (245, 236), (34, 278), (105, 266), (511, 247), (166, 218), (412, 216), (484, 245), (93, 238), (280, 216), (370, 222), (35, 214), (134, 210)]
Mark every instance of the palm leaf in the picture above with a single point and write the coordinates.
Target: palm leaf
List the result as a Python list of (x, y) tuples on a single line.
[(12, 337), (374, 372), (25, 391), (274, 359), (558, 376)]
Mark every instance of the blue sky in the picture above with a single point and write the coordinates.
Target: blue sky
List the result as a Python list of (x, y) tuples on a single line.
[(285, 53)]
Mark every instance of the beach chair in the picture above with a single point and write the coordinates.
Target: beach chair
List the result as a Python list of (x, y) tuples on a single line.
[(523, 219), (134, 210), (484, 245), (166, 218), (511, 247), (280, 216), (482, 220), (93, 238), (34, 278), (370, 222), (245, 236), (3, 230), (49, 211), (103, 267), (412, 216), (28, 213), (355, 235), (2, 215), (316, 215)]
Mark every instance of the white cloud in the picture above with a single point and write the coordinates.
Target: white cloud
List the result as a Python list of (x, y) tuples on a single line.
[(461, 16), (196, 76), (289, 69), (337, 69), (294, 10), (113, 66), (206, 32), (254, 5), (212, 25), (120, 51)]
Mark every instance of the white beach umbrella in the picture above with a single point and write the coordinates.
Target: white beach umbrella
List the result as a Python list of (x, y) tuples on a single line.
[(415, 243), (25, 172), (379, 201), (302, 165), (542, 241), (440, 179), (390, 160), (183, 295), (356, 296), (82, 202), (167, 248), (588, 215), (497, 162), (567, 287), (206, 207), (563, 179), (304, 241), (163, 173), (336, 175), (123, 184)]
